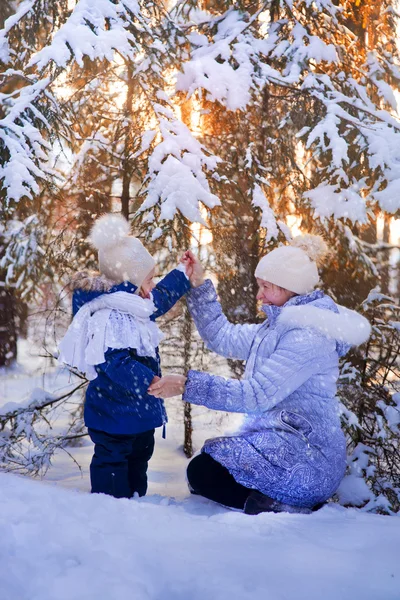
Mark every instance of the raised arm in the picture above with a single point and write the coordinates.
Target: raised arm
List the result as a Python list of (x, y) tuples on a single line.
[(300, 354), (221, 336), (168, 291)]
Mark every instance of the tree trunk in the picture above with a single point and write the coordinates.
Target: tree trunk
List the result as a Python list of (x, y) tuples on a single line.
[(8, 328), (187, 411), (398, 278), (8, 333), (188, 425), (385, 257), (7, 8), (127, 167)]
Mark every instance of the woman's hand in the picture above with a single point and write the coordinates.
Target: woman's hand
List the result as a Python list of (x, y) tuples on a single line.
[(194, 268), (168, 386)]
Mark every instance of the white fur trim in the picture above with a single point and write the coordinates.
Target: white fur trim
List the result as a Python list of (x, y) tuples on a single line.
[(346, 326)]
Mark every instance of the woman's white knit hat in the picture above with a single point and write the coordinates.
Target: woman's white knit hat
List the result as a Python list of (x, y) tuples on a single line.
[(122, 257), (294, 267)]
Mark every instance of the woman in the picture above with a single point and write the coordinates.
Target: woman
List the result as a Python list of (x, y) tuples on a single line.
[(290, 453)]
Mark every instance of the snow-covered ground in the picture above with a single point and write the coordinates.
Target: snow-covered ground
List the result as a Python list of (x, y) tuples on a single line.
[(58, 542)]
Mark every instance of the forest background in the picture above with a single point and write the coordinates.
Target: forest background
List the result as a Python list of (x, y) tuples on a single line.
[(225, 126)]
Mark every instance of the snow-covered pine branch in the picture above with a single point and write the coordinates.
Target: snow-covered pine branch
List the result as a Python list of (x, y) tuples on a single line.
[(176, 180), (127, 36), (302, 48), (21, 252), (27, 439), (370, 393), (96, 30)]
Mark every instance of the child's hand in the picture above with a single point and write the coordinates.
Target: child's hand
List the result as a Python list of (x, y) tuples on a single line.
[(155, 379), (168, 386), (194, 268), (185, 260)]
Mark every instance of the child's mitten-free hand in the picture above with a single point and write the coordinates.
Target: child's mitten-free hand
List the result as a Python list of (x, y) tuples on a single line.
[(168, 386), (155, 379), (194, 268)]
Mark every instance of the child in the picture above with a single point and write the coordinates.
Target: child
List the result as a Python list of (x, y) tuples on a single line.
[(113, 339)]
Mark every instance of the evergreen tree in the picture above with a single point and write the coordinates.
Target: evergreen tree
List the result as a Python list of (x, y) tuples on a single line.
[(292, 114)]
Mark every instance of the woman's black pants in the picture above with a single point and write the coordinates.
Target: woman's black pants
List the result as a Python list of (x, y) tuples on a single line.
[(210, 479)]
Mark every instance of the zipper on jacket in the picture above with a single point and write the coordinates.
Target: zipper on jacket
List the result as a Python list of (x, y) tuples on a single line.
[(295, 431), (302, 436)]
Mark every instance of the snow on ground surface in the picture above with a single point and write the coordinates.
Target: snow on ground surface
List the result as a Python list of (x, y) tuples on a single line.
[(58, 542)]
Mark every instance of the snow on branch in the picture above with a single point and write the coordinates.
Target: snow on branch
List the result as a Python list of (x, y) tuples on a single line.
[(105, 30), (371, 412), (96, 29), (23, 9), (23, 142), (224, 65), (27, 439), (268, 220), (21, 252), (340, 203), (175, 174), (303, 51)]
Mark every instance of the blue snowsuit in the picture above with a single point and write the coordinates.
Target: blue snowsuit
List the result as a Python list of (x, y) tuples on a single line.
[(291, 446), (119, 413)]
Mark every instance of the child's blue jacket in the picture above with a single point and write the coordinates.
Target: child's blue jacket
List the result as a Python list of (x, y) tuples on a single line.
[(117, 401)]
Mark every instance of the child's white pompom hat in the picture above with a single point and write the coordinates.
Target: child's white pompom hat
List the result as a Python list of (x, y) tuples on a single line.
[(122, 257), (294, 267)]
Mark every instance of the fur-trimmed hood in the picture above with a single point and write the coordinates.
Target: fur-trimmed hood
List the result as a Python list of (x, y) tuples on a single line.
[(344, 326), (320, 312), (91, 281)]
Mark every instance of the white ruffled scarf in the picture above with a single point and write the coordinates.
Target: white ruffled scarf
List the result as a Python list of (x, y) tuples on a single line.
[(118, 320)]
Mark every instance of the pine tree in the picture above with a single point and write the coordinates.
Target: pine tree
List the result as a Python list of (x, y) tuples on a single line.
[(295, 110), (370, 393), (305, 135)]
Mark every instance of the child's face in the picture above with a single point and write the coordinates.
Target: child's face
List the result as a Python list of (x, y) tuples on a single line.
[(272, 294), (147, 285)]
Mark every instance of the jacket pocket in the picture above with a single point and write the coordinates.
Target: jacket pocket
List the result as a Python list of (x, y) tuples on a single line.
[(295, 423)]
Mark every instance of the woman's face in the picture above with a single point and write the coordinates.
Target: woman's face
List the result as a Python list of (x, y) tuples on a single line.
[(272, 294), (147, 285)]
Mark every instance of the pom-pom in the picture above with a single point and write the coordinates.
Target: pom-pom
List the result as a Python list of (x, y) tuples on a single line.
[(108, 231), (313, 245)]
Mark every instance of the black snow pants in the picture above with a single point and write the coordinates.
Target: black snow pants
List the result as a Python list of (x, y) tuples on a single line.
[(119, 464)]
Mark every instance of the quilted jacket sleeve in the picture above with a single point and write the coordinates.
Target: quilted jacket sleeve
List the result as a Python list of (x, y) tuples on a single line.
[(300, 354), (221, 336)]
